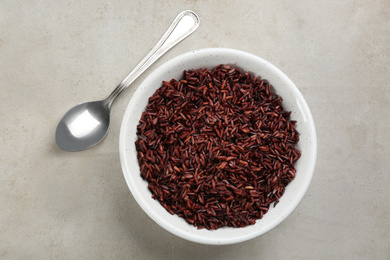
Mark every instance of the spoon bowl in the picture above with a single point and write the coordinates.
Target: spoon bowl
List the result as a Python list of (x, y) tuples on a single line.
[(87, 124), (83, 126)]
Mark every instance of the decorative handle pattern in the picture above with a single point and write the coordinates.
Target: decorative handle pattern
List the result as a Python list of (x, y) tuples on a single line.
[(183, 25)]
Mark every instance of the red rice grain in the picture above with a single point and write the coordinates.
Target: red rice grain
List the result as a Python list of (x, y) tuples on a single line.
[(216, 147)]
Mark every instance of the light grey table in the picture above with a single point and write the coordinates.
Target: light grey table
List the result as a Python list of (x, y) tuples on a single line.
[(55, 54)]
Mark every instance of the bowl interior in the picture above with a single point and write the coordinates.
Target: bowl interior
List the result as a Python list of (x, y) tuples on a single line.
[(292, 101)]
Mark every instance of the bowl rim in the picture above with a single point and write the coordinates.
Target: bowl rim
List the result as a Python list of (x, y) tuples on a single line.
[(171, 227)]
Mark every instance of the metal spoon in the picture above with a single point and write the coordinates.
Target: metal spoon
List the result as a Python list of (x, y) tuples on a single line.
[(87, 124)]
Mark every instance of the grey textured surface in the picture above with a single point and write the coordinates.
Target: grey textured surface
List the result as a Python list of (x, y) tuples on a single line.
[(55, 54)]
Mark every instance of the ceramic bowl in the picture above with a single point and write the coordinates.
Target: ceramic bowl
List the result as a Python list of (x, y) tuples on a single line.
[(292, 101)]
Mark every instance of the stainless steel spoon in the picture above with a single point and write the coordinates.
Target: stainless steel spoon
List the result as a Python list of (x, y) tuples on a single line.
[(87, 124)]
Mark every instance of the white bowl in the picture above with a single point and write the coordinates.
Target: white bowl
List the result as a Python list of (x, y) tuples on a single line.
[(293, 101)]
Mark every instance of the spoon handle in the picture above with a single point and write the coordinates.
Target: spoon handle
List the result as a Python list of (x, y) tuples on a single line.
[(183, 25)]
